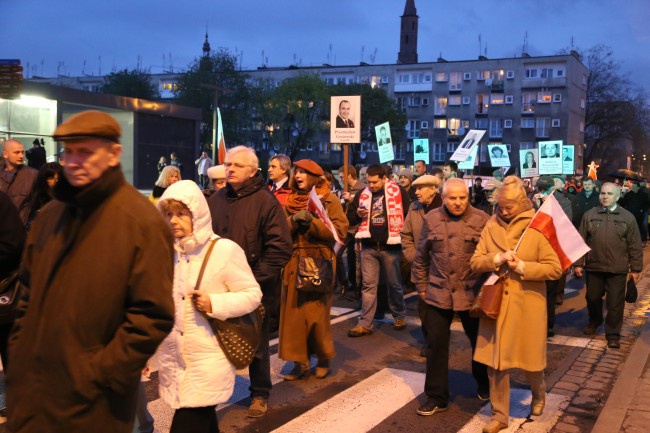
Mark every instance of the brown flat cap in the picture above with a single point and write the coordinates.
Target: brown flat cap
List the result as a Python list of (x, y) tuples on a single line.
[(89, 124), (309, 166)]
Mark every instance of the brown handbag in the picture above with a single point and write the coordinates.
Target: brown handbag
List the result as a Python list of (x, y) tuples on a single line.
[(238, 337), (487, 303)]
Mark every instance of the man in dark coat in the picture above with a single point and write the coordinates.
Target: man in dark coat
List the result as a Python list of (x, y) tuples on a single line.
[(585, 200), (16, 179), (36, 156), (246, 212), (97, 296), (636, 202)]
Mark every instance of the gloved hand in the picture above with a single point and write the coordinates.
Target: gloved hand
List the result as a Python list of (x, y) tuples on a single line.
[(302, 218)]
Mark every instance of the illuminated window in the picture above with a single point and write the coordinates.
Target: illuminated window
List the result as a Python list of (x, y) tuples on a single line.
[(454, 125), (496, 99), (544, 97), (455, 81), (454, 99), (440, 123), (441, 76), (498, 75), (441, 106), (528, 102), (482, 75), (482, 103)]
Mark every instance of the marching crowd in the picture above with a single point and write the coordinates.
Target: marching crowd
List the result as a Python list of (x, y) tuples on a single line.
[(105, 280)]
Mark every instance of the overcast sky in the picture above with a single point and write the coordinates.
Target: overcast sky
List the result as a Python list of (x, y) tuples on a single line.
[(60, 36)]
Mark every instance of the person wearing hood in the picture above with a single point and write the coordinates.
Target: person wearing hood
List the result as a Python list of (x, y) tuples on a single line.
[(305, 316), (248, 213), (194, 373)]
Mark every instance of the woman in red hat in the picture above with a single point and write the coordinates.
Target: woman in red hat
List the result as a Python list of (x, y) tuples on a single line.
[(308, 278)]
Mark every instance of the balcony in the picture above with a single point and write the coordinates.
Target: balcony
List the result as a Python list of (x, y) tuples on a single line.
[(543, 82)]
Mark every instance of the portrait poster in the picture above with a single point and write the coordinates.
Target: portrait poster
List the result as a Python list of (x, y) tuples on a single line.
[(499, 156), (466, 146), (550, 157), (528, 162), (345, 119), (470, 162), (568, 156), (384, 143), (421, 149)]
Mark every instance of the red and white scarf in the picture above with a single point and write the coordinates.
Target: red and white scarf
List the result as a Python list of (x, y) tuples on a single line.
[(394, 212)]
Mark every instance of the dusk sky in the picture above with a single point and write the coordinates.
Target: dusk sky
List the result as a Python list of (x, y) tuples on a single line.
[(60, 36)]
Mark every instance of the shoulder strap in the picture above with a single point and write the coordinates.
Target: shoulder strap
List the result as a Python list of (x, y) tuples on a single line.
[(205, 263)]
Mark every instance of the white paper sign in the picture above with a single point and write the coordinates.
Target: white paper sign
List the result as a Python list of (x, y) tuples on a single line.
[(384, 143), (498, 155), (345, 119), (550, 157), (568, 157), (421, 149), (470, 141), (528, 162)]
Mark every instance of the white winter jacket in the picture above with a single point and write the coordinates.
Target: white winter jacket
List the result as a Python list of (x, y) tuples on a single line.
[(193, 371)]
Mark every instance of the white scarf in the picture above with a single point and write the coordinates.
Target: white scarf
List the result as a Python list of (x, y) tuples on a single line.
[(394, 212)]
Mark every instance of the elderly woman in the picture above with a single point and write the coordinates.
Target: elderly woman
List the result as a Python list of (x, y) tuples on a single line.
[(194, 373), (517, 338), (168, 176), (305, 315)]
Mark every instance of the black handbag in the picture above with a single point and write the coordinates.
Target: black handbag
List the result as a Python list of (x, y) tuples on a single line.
[(8, 297), (631, 294), (238, 337), (315, 274)]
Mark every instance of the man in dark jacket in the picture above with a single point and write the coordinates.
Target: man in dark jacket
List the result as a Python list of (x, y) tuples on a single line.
[(447, 286), (246, 212), (97, 296), (16, 179), (616, 253), (585, 200), (636, 202), (36, 157)]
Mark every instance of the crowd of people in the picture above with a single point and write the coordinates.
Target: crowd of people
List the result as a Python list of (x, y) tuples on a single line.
[(138, 280)]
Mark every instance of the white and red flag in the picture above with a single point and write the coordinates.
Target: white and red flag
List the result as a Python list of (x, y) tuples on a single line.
[(314, 205), (221, 146), (553, 223)]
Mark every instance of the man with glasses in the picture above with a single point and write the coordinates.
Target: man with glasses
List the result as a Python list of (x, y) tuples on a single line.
[(246, 212)]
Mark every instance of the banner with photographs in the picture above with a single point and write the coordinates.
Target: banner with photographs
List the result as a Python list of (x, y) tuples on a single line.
[(499, 156), (550, 157), (421, 149), (528, 162), (345, 119), (568, 157), (384, 143), (466, 146)]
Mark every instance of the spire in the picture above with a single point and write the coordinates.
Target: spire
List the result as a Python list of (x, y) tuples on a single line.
[(206, 45), (408, 40)]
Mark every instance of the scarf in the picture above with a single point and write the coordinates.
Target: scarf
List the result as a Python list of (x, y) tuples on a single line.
[(394, 212), (297, 200)]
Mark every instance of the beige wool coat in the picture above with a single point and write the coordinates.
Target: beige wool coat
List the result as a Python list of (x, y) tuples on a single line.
[(517, 339)]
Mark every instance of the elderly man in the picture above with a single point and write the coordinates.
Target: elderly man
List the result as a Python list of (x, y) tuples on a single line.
[(97, 297), (246, 212), (16, 179), (447, 286), (420, 168), (616, 254), (489, 204), (279, 173)]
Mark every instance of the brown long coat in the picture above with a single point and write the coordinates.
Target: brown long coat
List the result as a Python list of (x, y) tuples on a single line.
[(517, 339), (305, 317)]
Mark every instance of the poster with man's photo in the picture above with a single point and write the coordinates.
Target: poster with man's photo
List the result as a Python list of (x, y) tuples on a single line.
[(528, 162), (550, 157), (499, 156), (345, 119), (421, 149), (471, 160), (568, 157), (466, 146), (384, 143)]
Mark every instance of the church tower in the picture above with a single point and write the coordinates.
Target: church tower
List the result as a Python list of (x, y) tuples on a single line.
[(206, 46), (408, 40)]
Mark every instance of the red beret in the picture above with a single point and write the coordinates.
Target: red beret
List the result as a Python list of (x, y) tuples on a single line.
[(309, 166), (89, 124)]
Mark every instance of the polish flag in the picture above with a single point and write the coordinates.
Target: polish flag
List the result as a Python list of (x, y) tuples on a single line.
[(314, 205), (221, 149), (553, 223)]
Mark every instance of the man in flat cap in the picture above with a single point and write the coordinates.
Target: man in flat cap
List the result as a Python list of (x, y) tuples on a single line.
[(97, 293)]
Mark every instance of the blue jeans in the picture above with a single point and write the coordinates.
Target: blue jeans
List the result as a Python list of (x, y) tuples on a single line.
[(372, 262)]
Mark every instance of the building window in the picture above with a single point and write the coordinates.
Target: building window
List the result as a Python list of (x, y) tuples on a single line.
[(507, 123), (555, 123), (525, 145), (454, 126), (438, 152), (531, 73), (481, 123), (496, 128), (482, 153), (557, 97), (583, 104), (425, 102), (441, 77), (440, 123), (421, 78), (509, 99), (424, 124), (454, 99), (482, 103), (510, 74), (546, 73), (466, 100), (482, 75), (544, 97), (498, 75), (451, 147), (467, 76), (404, 78), (527, 102), (559, 73), (542, 126), (496, 99), (441, 106), (384, 79), (414, 101), (527, 123), (455, 80)]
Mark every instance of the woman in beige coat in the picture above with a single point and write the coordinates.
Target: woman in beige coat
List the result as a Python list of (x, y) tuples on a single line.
[(517, 339)]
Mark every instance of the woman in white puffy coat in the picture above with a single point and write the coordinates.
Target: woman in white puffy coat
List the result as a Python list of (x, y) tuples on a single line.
[(194, 373)]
